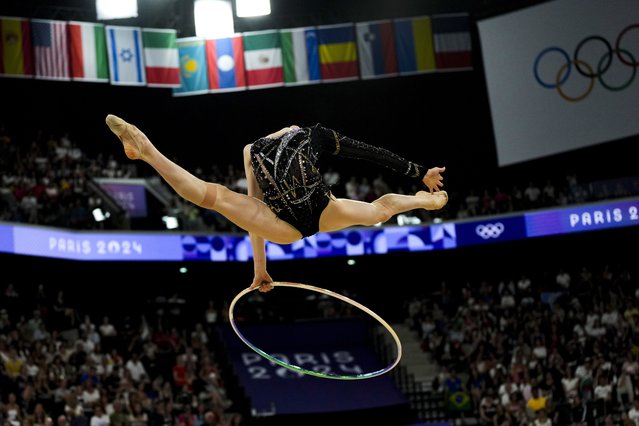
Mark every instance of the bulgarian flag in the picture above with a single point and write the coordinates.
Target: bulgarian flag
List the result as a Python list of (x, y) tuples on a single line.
[(161, 57), (15, 47), (89, 60), (263, 59)]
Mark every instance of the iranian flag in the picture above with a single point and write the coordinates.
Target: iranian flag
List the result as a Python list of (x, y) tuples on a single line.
[(161, 57), (88, 52), (263, 59)]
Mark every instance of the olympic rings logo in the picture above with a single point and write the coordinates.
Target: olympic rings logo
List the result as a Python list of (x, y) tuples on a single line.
[(490, 230), (589, 71)]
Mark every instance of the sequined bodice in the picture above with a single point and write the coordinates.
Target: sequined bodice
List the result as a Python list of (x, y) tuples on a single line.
[(286, 169)]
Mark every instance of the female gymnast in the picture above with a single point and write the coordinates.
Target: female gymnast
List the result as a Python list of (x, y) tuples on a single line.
[(287, 199)]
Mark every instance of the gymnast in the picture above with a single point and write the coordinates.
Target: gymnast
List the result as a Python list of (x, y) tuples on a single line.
[(287, 199)]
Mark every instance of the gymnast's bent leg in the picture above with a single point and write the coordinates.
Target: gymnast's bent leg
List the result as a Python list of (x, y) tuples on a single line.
[(246, 212), (342, 212)]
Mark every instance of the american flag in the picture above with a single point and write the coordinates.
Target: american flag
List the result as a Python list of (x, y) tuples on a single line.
[(50, 49)]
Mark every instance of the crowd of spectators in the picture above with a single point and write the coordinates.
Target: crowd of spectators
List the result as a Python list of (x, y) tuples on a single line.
[(559, 348), (523, 350), (62, 364), (45, 182)]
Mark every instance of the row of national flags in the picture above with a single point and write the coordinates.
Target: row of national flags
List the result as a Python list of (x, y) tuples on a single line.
[(326, 53), (83, 51)]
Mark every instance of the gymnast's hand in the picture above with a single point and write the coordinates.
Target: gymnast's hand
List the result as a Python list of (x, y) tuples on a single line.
[(433, 178), (282, 131), (262, 281)]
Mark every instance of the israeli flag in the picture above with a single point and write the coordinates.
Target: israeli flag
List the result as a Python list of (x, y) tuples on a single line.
[(126, 58)]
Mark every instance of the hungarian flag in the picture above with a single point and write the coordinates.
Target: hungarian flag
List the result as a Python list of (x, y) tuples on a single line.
[(451, 33), (338, 52), (15, 47), (376, 48), (161, 57), (88, 52), (126, 57), (50, 49), (263, 59), (300, 55), (414, 41), (225, 61)]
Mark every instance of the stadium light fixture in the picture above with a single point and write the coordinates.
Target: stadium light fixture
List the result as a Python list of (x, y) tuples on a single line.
[(99, 215), (407, 220), (213, 18), (116, 9), (171, 222), (248, 8)]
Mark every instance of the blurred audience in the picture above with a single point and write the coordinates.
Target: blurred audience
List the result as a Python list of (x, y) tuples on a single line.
[(563, 349), (59, 372), (48, 180)]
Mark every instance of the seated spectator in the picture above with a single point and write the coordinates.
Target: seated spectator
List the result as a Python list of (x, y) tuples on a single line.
[(118, 417), (13, 363), (489, 409), (537, 401), (137, 416), (542, 419), (603, 393), (633, 413), (136, 368), (13, 410), (99, 417), (625, 389)]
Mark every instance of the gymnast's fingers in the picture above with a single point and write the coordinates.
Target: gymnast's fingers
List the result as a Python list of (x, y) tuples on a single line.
[(264, 287)]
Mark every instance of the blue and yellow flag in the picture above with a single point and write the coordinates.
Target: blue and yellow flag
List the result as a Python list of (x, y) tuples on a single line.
[(415, 47), (338, 52), (193, 70)]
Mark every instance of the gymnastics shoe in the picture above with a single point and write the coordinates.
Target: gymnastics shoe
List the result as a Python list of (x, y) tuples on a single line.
[(132, 139), (435, 201)]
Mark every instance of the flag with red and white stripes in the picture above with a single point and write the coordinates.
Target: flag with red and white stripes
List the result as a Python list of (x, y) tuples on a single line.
[(50, 49)]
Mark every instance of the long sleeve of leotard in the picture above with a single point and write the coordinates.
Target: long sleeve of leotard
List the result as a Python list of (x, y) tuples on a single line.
[(334, 143)]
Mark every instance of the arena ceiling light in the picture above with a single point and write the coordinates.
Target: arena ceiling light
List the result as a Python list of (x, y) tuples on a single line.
[(407, 220), (116, 9), (171, 222), (99, 215), (213, 18), (247, 8)]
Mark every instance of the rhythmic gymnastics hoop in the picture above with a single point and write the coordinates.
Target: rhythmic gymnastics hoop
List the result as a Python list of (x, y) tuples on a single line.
[(311, 372)]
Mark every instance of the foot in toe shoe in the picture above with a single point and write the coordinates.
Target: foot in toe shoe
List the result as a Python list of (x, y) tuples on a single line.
[(131, 137), (435, 200), (116, 124)]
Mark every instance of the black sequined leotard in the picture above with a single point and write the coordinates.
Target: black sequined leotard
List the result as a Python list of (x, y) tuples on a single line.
[(286, 169)]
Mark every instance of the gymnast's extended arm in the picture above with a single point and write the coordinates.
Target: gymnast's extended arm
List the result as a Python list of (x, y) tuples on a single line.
[(261, 278), (332, 142)]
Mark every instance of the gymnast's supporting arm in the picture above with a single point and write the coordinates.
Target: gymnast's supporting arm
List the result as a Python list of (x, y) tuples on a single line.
[(261, 279), (334, 143)]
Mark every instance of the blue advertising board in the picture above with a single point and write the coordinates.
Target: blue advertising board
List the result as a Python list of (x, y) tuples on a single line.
[(332, 347), (356, 241)]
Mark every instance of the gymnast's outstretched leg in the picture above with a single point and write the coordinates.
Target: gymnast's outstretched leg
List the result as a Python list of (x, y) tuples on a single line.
[(246, 212)]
